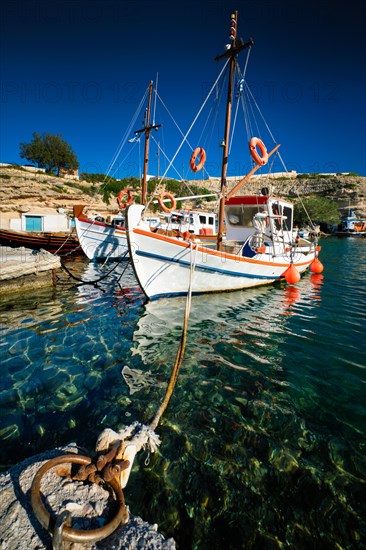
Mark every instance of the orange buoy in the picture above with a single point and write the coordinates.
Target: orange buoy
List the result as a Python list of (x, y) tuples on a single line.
[(291, 275), (260, 250), (186, 235), (316, 266)]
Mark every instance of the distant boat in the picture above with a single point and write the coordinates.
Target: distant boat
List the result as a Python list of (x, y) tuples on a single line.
[(260, 245), (100, 239), (352, 226), (60, 243)]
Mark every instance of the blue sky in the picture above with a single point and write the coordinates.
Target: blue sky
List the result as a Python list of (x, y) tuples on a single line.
[(80, 69)]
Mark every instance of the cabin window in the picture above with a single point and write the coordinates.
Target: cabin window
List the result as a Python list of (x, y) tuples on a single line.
[(277, 212), (287, 222), (241, 216), (118, 221), (206, 220)]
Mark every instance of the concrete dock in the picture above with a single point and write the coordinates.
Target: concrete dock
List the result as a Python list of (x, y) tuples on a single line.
[(24, 269)]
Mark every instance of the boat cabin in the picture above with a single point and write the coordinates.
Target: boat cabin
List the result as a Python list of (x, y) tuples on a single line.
[(195, 221), (257, 214)]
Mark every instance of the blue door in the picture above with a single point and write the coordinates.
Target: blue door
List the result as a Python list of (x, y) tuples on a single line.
[(33, 223)]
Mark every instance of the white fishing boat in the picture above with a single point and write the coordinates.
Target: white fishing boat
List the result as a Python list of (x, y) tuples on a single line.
[(352, 225), (100, 239), (260, 247)]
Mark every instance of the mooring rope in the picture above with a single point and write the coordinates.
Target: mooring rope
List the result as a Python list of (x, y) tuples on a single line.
[(181, 348), (115, 455), (100, 278)]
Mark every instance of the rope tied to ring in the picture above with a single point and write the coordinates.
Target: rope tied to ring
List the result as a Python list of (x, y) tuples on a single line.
[(115, 453)]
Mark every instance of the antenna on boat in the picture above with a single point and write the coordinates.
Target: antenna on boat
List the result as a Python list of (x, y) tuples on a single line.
[(147, 129), (232, 50)]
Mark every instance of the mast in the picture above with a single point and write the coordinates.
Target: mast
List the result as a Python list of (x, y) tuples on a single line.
[(147, 129), (236, 46)]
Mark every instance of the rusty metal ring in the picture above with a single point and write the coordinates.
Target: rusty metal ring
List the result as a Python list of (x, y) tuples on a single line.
[(75, 535)]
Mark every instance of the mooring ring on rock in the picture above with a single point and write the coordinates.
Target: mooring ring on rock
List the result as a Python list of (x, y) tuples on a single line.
[(70, 534)]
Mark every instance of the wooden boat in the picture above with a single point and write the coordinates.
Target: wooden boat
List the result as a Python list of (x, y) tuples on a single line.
[(261, 246), (352, 225), (60, 243)]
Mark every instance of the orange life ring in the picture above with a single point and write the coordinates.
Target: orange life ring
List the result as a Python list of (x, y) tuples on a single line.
[(121, 194), (163, 196), (199, 151), (253, 144)]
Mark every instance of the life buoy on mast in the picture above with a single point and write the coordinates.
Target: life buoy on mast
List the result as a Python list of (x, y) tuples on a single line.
[(169, 196), (201, 153), (124, 193), (258, 159)]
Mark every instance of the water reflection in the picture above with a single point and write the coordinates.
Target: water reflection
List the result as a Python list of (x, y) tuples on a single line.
[(264, 438)]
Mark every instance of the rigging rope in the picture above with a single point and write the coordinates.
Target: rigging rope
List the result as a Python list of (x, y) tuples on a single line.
[(194, 121), (185, 137), (125, 137)]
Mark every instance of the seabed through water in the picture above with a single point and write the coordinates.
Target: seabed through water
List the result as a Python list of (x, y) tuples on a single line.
[(263, 442)]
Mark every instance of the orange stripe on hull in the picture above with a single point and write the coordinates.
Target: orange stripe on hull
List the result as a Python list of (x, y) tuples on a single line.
[(208, 251)]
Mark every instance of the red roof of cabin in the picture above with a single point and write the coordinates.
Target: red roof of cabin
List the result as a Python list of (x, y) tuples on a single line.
[(248, 199)]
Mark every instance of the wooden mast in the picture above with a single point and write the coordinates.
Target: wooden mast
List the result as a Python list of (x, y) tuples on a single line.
[(147, 129), (236, 46)]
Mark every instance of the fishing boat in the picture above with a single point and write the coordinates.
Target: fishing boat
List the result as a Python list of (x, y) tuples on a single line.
[(60, 243), (98, 238), (352, 225), (256, 243)]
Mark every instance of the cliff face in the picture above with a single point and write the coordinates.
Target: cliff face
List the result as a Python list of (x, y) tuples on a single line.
[(346, 191), (22, 191)]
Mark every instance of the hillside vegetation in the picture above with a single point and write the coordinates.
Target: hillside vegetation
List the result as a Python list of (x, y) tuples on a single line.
[(21, 190)]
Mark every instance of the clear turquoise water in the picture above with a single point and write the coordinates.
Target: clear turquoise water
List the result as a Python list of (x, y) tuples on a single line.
[(263, 443)]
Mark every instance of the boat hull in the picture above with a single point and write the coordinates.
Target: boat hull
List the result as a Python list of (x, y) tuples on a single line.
[(100, 241), (162, 264), (56, 243)]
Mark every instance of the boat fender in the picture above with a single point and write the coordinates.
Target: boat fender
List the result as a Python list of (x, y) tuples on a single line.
[(163, 196), (186, 235), (201, 153), (261, 158), (316, 266), (291, 275), (121, 194)]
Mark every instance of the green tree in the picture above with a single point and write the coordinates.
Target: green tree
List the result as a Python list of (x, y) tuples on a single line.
[(319, 209), (50, 152)]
